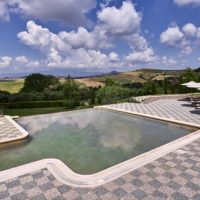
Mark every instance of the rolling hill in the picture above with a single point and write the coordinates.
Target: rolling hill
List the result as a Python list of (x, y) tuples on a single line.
[(138, 76)]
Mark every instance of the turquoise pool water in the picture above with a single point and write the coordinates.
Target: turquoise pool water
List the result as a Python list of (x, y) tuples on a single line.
[(87, 141)]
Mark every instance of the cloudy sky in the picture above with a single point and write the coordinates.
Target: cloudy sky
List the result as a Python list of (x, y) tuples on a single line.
[(98, 35)]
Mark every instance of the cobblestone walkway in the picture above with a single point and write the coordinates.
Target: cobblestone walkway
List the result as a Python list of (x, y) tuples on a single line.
[(8, 131), (175, 176)]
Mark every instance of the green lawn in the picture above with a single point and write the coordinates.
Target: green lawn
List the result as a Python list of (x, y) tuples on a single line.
[(12, 86), (36, 111), (33, 111)]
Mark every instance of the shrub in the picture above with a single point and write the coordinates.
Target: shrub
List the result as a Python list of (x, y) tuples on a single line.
[(31, 104)]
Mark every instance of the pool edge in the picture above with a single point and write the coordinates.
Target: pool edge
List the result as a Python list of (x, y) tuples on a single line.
[(18, 127)]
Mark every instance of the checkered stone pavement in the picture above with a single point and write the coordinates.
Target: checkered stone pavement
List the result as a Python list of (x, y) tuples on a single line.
[(167, 108), (7, 130), (175, 176)]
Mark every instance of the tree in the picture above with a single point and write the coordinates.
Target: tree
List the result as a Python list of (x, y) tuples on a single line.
[(92, 96), (38, 82), (197, 70), (150, 87), (190, 75), (70, 87), (109, 82), (72, 94), (111, 94), (165, 86)]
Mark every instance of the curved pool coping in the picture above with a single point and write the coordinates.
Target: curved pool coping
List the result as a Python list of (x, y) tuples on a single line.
[(18, 127), (66, 176)]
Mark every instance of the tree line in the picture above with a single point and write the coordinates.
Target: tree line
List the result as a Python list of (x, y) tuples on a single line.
[(48, 91)]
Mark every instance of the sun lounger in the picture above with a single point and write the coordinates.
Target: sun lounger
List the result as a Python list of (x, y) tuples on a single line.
[(197, 106)]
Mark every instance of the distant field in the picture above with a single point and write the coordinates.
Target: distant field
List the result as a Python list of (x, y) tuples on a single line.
[(12, 86), (139, 76), (90, 82)]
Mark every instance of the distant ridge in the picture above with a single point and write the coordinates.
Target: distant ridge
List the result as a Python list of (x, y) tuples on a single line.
[(77, 73)]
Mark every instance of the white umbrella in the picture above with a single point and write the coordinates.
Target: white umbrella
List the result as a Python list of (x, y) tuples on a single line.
[(189, 83), (194, 85)]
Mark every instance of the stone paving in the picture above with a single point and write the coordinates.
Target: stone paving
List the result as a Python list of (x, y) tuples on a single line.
[(167, 108), (174, 176), (8, 131)]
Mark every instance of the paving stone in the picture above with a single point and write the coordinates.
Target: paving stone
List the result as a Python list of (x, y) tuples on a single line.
[(19, 196), (140, 194), (174, 185), (119, 192), (158, 194), (179, 196), (137, 182), (63, 189), (39, 197), (100, 191), (120, 181)]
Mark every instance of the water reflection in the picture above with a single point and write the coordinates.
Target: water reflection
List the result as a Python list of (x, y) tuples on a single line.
[(38, 123), (87, 141), (99, 127)]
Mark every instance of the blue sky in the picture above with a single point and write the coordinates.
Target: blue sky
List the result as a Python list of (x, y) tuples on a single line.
[(98, 35)]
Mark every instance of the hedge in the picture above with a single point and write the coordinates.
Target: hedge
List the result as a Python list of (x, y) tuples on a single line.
[(31, 104)]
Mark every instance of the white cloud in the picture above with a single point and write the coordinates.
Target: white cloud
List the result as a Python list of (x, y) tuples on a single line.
[(187, 2), (21, 59), (33, 64), (65, 49), (81, 48), (85, 48), (190, 30), (41, 38), (70, 12), (171, 36), (36, 35), (187, 50), (82, 38), (113, 56), (168, 61), (186, 38), (4, 13), (137, 42), (5, 61), (125, 20), (86, 59), (18, 63), (146, 56), (54, 58), (124, 23)]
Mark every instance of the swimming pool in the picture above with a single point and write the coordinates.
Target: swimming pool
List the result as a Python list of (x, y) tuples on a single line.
[(88, 141)]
